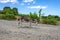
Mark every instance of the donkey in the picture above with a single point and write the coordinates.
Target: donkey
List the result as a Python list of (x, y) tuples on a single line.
[(26, 19)]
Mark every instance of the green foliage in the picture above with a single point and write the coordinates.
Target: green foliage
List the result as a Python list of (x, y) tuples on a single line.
[(40, 13), (58, 19), (44, 17), (1, 12), (50, 20), (56, 16), (8, 10), (10, 16), (31, 15), (34, 15), (8, 13), (2, 16), (7, 17), (26, 15), (15, 11)]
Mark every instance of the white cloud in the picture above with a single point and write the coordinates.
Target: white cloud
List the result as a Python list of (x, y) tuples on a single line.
[(6, 1), (28, 0), (37, 7)]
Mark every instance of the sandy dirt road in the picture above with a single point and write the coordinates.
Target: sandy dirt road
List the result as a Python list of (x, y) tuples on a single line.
[(9, 30)]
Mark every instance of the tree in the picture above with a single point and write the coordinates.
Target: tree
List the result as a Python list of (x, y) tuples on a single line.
[(56, 16), (7, 10), (31, 15), (1, 12), (15, 11), (35, 15), (40, 14)]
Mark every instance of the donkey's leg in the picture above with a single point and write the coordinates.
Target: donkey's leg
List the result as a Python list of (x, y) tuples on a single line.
[(18, 23), (30, 25), (35, 22)]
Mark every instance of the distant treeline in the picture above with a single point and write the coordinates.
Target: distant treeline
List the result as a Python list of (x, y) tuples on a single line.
[(10, 14)]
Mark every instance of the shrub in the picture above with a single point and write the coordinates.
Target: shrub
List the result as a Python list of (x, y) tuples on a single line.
[(10, 17), (2, 16), (7, 17), (49, 21)]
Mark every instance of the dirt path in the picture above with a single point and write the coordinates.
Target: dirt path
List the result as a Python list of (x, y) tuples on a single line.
[(9, 30)]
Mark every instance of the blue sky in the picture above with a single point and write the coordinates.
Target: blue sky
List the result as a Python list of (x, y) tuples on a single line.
[(25, 6)]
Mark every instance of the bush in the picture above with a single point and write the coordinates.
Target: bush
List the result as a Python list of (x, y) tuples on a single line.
[(44, 21), (49, 21), (10, 17), (2, 16), (58, 19), (7, 17)]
